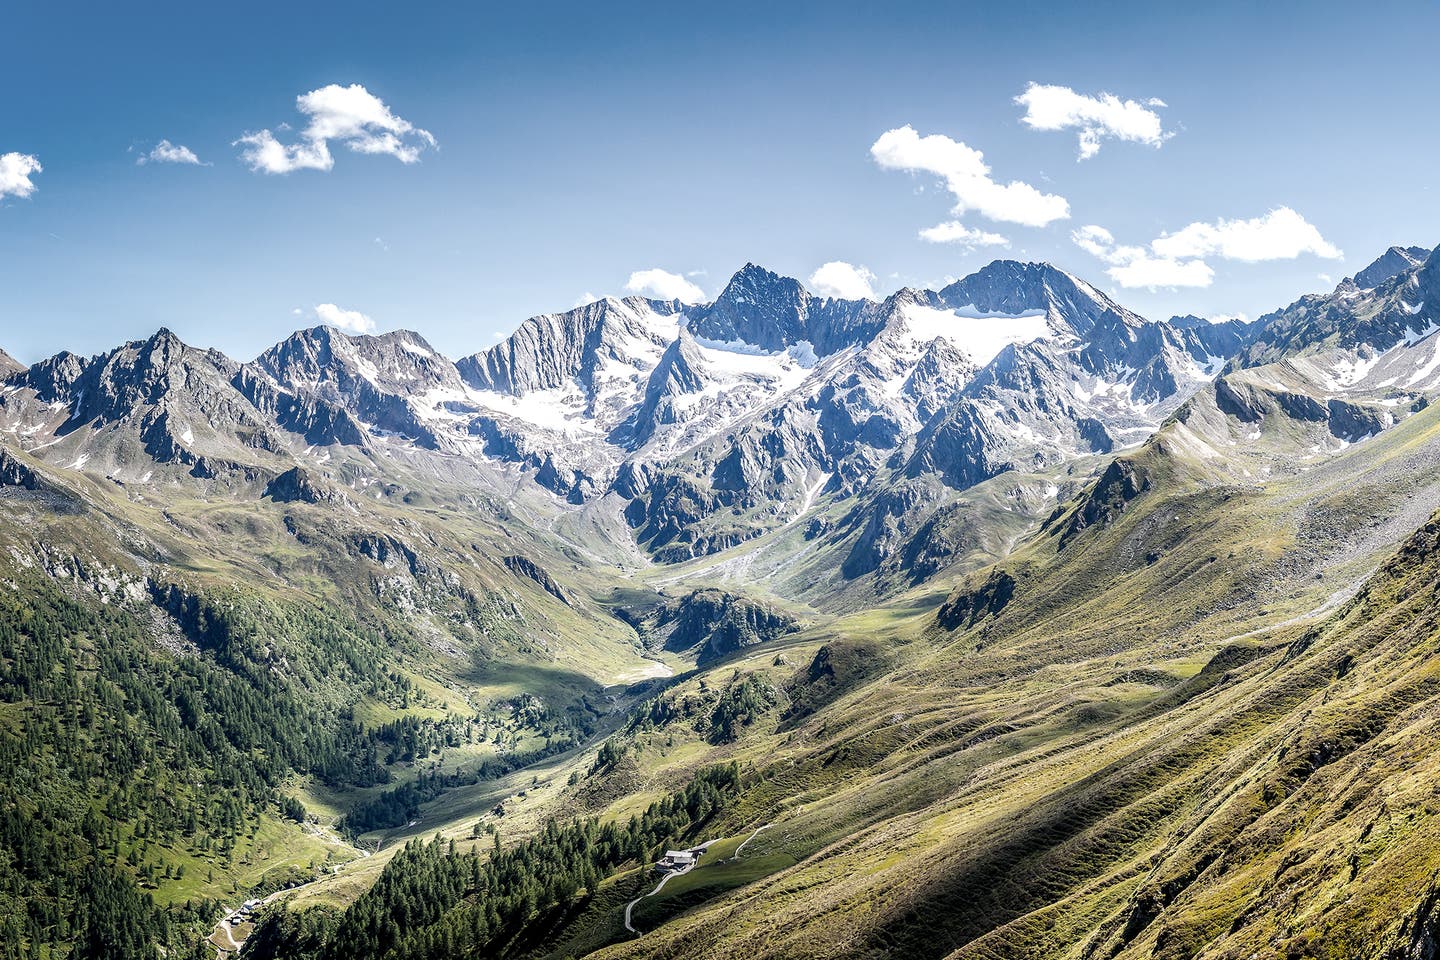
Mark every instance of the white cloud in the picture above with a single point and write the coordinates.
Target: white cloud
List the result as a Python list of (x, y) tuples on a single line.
[(15, 172), (844, 280), (1281, 234), (664, 285), (350, 115), (167, 152), (352, 321), (1049, 107), (953, 231), (1178, 259), (967, 177), (1139, 266)]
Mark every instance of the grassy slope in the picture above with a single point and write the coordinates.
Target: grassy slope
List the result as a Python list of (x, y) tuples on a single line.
[(1177, 716), (534, 645), (1115, 762)]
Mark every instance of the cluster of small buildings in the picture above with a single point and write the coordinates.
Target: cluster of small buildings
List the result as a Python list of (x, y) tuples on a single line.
[(678, 861)]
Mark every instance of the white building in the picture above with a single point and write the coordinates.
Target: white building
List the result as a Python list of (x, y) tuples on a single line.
[(676, 860)]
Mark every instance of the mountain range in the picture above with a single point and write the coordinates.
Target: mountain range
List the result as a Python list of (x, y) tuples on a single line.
[(1031, 627)]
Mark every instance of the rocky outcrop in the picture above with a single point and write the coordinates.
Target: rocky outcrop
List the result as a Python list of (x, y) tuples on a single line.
[(968, 606), (382, 381), (1120, 484), (298, 485), (888, 521), (317, 421), (714, 623), (678, 374), (14, 473), (530, 570)]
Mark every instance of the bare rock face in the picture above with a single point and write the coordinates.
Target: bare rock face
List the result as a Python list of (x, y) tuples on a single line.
[(386, 382), (14, 473), (298, 485), (714, 623), (1391, 263), (967, 607), (555, 350), (763, 309), (530, 570), (1120, 484)]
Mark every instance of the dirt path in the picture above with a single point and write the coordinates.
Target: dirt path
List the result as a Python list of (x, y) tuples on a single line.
[(658, 887), (226, 937), (736, 854), (666, 879)]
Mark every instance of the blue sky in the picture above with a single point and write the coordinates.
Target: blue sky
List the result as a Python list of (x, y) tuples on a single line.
[(577, 144)]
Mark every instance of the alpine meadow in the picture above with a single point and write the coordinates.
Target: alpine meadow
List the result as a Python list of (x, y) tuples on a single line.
[(990, 511)]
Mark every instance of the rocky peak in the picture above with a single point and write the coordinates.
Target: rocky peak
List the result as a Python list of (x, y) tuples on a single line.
[(381, 380), (52, 379), (149, 372), (1430, 271), (397, 362), (679, 372), (1012, 287), (14, 472), (1364, 321), (763, 309), (1392, 262), (1189, 322), (757, 307), (9, 366), (555, 349), (1217, 338)]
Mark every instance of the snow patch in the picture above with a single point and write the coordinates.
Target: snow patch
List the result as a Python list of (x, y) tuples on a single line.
[(1430, 367), (980, 335)]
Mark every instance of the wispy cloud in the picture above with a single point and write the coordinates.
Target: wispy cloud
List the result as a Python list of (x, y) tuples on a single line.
[(352, 116), (16, 169), (352, 321), (1281, 234), (1134, 266), (966, 175), (1180, 259), (1051, 107), (664, 285), (167, 152), (953, 231), (844, 280)]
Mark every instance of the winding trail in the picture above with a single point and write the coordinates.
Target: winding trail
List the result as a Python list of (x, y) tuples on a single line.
[(223, 927), (676, 873), (736, 854), (658, 887)]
